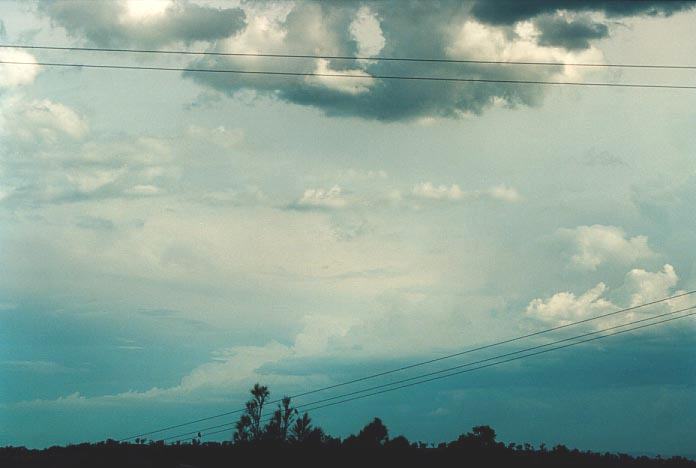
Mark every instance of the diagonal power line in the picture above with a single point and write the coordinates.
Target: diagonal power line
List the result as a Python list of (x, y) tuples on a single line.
[(347, 57), (507, 360), (350, 396), (348, 75), (421, 363)]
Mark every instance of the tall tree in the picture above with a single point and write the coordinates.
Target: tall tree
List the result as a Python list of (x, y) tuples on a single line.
[(375, 434), (254, 407), (286, 415), (248, 427)]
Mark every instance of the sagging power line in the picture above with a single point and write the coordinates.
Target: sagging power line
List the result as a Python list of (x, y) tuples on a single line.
[(348, 57), (349, 75)]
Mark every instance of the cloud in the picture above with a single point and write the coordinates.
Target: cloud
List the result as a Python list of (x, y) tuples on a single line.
[(569, 33), (511, 11), (429, 191), (504, 193), (321, 198), (34, 122), (648, 286), (598, 244), (366, 31), (566, 307), (12, 76), (231, 371), (328, 346), (143, 190), (446, 29), (412, 30), (144, 23), (380, 195), (639, 287), (440, 192), (356, 81), (37, 367), (528, 31), (49, 156)]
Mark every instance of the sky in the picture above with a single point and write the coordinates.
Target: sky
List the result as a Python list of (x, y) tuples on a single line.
[(167, 239)]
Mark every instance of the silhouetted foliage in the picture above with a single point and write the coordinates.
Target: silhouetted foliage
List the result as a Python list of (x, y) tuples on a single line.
[(374, 435), (287, 437), (279, 425)]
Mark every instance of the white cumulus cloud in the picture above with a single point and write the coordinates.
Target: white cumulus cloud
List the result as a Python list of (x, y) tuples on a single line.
[(13, 75), (322, 198), (640, 287), (350, 81), (566, 307), (367, 32), (648, 286), (40, 121), (597, 244), (430, 191)]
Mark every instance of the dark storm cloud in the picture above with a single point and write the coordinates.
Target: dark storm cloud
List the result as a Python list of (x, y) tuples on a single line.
[(408, 29), (102, 23), (416, 29), (510, 11), (425, 29)]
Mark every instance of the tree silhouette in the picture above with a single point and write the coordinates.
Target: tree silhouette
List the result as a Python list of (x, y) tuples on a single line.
[(484, 435), (287, 436), (286, 414), (242, 432), (248, 427), (398, 443), (373, 435), (301, 429), (279, 425), (254, 407)]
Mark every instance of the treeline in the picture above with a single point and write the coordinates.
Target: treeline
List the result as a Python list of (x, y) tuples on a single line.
[(287, 437)]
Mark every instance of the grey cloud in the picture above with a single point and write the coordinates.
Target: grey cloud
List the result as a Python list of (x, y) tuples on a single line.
[(101, 24), (415, 29), (38, 367), (418, 29), (604, 158), (569, 33), (95, 223), (510, 11)]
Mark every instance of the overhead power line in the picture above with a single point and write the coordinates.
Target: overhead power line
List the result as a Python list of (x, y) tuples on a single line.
[(425, 378), (348, 57), (423, 363), (348, 75)]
